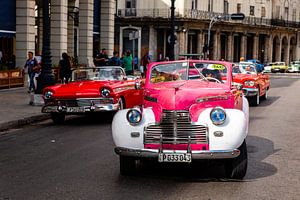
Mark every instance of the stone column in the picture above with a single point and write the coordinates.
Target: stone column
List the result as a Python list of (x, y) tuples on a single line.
[(25, 36), (181, 43), (59, 29), (216, 45), (297, 57), (268, 49), (107, 28), (70, 48), (153, 43), (86, 14), (280, 49), (255, 46), (287, 60), (230, 47), (243, 45), (200, 44)]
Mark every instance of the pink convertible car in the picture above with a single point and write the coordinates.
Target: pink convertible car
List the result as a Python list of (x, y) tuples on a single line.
[(191, 111)]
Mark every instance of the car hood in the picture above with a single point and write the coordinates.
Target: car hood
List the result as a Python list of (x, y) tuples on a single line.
[(182, 95), (80, 89), (241, 78)]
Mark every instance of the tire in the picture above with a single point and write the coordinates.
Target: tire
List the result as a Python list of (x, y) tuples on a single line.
[(265, 96), (127, 165), (236, 168), (254, 101), (58, 118)]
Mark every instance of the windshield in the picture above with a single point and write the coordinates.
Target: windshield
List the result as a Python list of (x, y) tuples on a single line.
[(244, 69), (98, 73), (177, 71)]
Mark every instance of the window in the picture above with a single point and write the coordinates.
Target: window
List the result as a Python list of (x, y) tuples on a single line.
[(286, 13), (277, 12), (294, 15), (263, 12), (252, 10), (238, 8), (226, 6), (194, 4), (130, 3)]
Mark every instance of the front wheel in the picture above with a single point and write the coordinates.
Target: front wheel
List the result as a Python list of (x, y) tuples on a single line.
[(254, 100), (58, 118), (236, 168), (127, 165)]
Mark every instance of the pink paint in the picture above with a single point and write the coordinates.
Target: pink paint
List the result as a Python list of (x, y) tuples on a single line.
[(178, 146)]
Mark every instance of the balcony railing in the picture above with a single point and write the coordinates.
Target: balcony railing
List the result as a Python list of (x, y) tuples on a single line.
[(190, 14)]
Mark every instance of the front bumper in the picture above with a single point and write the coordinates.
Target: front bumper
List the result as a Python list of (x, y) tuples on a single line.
[(80, 109), (249, 92), (196, 154)]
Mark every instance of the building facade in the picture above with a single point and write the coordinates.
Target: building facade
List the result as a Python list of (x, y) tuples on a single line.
[(270, 32), (78, 27)]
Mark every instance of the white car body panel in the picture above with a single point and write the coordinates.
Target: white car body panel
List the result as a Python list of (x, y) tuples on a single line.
[(234, 130)]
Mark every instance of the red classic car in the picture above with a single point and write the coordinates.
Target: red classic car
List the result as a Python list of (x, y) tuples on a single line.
[(92, 90), (255, 85)]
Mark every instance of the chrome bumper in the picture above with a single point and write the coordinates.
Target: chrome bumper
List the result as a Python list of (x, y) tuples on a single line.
[(82, 109), (249, 92), (153, 153)]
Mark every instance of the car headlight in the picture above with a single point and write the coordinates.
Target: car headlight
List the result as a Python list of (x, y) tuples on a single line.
[(105, 92), (249, 83), (48, 95), (218, 116), (134, 116)]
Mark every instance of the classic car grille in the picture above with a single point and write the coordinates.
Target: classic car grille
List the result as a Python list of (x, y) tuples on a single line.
[(84, 102), (175, 128)]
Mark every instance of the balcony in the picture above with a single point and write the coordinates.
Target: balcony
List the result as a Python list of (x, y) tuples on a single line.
[(189, 14)]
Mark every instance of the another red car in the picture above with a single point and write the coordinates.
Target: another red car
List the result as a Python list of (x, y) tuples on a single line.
[(255, 85), (92, 90)]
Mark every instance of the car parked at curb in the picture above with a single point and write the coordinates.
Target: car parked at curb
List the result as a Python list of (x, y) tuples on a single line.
[(96, 89), (255, 85), (191, 111), (278, 67)]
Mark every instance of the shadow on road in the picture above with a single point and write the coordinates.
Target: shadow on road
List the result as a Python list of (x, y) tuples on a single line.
[(209, 171)]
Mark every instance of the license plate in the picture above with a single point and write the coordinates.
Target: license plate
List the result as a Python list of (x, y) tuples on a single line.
[(75, 109), (175, 157)]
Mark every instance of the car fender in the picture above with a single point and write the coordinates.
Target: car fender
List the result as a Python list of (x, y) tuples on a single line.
[(122, 129), (234, 130)]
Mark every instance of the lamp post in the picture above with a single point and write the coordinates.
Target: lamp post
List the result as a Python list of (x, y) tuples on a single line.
[(46, 77), (212, 22), (172, 35)]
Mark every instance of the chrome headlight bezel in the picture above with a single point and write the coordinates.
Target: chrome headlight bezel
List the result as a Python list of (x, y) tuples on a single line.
[(48, 94), (218, 116), (134, 116), (105, 92), (249, 83)]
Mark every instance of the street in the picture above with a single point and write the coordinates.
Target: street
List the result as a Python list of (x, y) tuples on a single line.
[(77, 160)]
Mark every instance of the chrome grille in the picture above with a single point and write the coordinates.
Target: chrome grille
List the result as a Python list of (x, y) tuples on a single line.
[(83, 101), (175, 128)]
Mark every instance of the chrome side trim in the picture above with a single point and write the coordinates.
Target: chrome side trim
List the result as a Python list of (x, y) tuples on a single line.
[(153, 153)]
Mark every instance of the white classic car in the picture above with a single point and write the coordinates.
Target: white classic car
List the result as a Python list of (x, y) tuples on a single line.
[(190, 111)]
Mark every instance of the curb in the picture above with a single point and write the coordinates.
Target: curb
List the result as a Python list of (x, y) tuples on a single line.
[(22, 122)]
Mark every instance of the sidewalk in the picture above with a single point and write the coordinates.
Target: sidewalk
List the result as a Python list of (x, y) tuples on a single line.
[(15, 110)]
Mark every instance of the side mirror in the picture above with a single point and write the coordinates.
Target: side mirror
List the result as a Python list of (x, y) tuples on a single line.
[(124, 78), (137, 85)]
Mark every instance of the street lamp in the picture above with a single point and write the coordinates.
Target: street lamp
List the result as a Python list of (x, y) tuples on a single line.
[(212, 22), (46, 77), (172, 35)]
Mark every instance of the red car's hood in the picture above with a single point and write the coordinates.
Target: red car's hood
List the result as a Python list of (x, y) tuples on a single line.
[(241, 78), (182, 94), (80, 89)]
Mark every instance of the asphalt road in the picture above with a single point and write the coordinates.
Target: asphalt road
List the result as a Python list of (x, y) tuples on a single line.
[(77, 161)]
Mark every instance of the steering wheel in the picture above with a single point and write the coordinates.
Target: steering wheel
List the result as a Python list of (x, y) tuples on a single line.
[(212, 79)]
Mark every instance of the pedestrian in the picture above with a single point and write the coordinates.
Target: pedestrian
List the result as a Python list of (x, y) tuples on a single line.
[(65, 71), (127, 63), (145, 62), (33, 69), (115, 60), (101, 59)]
